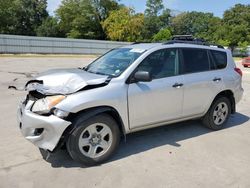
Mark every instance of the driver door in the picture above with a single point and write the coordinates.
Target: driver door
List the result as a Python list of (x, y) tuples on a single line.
[(161, 99)]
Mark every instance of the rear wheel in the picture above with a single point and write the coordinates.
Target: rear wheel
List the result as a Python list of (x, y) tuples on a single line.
[(94, 140), (218, 114)]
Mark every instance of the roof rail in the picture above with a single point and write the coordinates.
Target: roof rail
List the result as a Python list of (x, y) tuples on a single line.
[(189, 39)]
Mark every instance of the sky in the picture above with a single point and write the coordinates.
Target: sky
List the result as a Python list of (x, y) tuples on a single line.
[(217, 7)]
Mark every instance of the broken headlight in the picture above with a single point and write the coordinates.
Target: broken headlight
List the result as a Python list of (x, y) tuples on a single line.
[(44, 105)]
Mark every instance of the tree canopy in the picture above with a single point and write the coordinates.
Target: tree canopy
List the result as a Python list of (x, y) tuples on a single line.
[(156, 18), (22, 17), (124, 25), (109, 19), (236, 22), (82, 18), (162, 35)]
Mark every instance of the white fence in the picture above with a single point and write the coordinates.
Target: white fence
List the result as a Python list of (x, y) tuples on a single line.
[(13, 44)]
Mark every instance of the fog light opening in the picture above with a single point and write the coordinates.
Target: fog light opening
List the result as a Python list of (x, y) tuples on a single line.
[(60, 113), (38, 131)]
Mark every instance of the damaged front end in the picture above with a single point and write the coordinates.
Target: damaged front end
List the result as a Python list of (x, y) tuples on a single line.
[(40, 121), (51, 87), (65, 81)]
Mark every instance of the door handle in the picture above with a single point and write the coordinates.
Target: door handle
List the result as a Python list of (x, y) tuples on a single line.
[(217, 79), (177, 85)]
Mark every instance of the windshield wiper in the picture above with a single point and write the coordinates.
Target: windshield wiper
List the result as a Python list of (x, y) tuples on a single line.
[(100, 73)]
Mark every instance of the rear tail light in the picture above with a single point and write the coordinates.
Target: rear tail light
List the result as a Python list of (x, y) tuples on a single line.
[(238, 71)]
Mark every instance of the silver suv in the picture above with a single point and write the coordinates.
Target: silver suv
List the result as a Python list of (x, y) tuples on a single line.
[(129, 89)]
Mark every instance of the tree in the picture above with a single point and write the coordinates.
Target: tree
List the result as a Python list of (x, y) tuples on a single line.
[(29, 14), (192, 23), (162, 35), (103, 7), (82, 18), (49, 28), (243, 47), (6, 15), (236, 22), (22, 16), (153, 8), (124, 25), (215, 32), (156, 18), (224, 43), (237, 15)]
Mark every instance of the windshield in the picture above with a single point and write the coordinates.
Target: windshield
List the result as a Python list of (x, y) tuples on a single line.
[(114, 62)]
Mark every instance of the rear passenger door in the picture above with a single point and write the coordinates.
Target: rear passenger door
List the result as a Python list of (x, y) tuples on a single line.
[(202, 80)]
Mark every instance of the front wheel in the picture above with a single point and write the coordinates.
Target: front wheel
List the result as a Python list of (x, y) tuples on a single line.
[(94, 140), (218, 114)]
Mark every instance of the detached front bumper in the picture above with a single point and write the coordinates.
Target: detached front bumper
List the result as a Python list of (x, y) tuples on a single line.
[(43, 131)]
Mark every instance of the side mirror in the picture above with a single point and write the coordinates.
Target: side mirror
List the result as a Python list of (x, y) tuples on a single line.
[(142, 76)]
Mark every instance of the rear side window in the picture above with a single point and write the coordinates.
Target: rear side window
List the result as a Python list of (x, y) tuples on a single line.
[(195, 60), (219, 59)]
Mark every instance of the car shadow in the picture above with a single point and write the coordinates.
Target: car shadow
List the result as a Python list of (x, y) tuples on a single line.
[(148, 139)]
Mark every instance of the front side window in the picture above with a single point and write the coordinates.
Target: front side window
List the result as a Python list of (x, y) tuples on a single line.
[(219, 59), (114, 62), (195, 60), (160, 64)]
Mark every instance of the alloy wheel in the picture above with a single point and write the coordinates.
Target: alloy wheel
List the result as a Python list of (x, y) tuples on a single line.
[(220, 113), (95, 140)]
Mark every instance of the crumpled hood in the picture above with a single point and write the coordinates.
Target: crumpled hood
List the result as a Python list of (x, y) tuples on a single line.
[(64, 81)]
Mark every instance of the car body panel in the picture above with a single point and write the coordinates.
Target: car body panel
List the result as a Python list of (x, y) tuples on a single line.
[(113, 95), (200, 90), (64, 81), (155, 101), (52, 125)]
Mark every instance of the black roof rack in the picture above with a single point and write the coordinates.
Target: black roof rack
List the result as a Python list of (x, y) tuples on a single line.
[(183, 37), (189, 39)]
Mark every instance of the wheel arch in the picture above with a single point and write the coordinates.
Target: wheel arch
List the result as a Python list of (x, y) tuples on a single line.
[(229, 94), (89, 113)]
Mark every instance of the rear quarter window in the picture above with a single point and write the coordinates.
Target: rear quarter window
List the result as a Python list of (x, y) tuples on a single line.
[(195, 60), (219, 58)]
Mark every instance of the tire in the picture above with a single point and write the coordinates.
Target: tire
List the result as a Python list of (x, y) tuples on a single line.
[(94, 140), (218, 114), (245, 66)]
